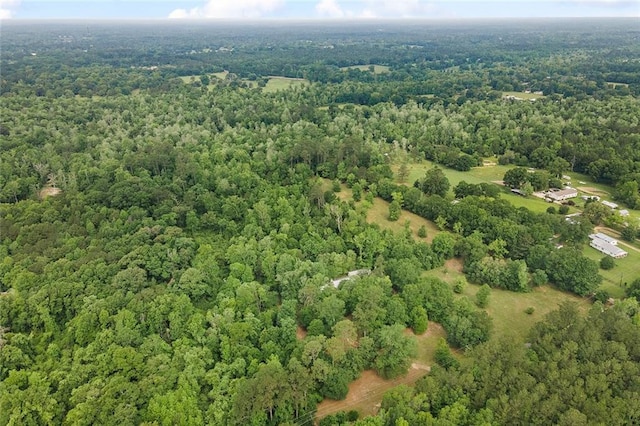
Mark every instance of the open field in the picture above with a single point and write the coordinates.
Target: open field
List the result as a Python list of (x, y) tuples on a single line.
[(274, 83), (522, 95), (507, 308), (477, 175), (379, 211), (282, 83), (366, 392), (377, 69), (614, 85)]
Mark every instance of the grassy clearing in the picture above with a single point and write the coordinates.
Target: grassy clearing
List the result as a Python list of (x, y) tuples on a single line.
[(274, 83), (221, 75), (379, 212), (477, 175), (522, 95), (507, 309), (377, 69), (282, 83)]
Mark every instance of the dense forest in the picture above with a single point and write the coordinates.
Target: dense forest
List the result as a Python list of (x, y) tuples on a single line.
[(172, 232)]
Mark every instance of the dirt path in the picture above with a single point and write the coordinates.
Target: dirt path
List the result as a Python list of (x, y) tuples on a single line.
[(592, 191)]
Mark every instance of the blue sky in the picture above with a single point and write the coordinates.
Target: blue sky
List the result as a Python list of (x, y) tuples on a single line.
[(313, 9)]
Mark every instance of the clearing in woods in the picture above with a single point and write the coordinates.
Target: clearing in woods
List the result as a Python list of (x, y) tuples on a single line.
[(378, 213), (377, 69), (365, 393)]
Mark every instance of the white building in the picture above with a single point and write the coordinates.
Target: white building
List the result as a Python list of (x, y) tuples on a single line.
[(605, 247), (605, 238), (610, 204), (351, 274), (562, 194)]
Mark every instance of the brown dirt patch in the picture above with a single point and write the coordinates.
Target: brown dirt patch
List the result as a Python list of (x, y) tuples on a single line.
[(49, 191), (593, 191), (301, 333), (454, 264), (365, 393)]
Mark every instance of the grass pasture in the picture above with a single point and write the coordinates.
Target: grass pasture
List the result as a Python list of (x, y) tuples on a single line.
[(377, 69), (379, 212), (276, 83), (507, 308)]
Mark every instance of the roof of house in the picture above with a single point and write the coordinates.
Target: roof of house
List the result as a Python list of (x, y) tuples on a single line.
[(607, 248), (563, 192), (604, 237)]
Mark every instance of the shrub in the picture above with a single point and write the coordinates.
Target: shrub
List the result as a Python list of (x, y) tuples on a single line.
[(601, 296), (530, 310), (482, 296), (539, 277), (607, 263), (422, 232), (551, 210), (459, 285)]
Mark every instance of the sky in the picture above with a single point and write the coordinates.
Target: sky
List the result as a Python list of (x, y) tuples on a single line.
[(314, 9)]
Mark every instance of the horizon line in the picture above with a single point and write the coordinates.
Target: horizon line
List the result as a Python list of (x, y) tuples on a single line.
[(317, 19)]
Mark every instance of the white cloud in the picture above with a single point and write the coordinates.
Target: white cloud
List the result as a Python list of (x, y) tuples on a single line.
[(383, 9), (8, 8), (402, 9), (329, 8), (229, 9)]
